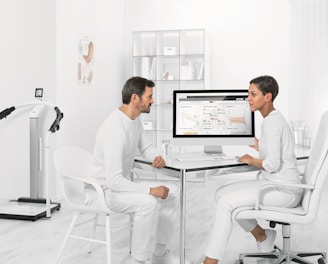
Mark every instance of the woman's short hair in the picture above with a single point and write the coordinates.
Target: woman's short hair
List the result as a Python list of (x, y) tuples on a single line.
[(266, 84)]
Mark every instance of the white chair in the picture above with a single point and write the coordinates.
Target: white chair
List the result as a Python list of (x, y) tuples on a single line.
[(72, 165), (313, 181)]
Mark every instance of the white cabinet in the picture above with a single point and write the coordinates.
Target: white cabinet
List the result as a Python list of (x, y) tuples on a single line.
[(174, 60)]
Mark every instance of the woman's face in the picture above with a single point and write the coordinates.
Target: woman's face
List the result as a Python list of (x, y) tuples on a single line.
[(256, 98)]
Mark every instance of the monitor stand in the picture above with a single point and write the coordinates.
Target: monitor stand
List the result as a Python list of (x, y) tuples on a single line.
[(215, 150)]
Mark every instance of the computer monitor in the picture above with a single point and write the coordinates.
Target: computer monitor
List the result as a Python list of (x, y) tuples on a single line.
[(212, 118)]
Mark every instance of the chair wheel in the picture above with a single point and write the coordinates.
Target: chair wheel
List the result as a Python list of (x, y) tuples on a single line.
[(321, 261), (239, 261)]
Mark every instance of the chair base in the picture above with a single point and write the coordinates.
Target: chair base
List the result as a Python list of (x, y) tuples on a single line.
[(285, 257)]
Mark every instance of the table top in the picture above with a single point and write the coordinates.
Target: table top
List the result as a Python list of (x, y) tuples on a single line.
[(173, 163)]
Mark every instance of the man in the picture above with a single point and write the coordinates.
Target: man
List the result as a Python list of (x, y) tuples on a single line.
[(117, 142)]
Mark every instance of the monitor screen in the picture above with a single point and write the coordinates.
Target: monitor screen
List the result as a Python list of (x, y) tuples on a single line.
[(206, 117)]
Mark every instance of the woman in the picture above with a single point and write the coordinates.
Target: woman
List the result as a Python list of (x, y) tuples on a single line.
[(276, 161)]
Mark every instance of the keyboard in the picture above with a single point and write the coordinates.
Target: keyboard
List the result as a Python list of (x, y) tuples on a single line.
[(204, 157)]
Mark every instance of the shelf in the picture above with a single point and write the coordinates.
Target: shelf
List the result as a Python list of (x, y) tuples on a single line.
[(175, 60)]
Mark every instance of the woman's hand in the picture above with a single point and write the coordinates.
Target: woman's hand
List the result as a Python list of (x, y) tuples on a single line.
[(246, 159), (251, 161)]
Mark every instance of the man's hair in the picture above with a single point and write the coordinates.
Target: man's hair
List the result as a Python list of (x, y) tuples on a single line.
[(135, 85), (266, 84)]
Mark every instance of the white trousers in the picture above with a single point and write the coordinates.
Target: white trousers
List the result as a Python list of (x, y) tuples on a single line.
[(149, 214), (239, 194)]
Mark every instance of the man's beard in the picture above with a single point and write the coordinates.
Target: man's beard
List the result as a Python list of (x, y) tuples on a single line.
[(146, 110)]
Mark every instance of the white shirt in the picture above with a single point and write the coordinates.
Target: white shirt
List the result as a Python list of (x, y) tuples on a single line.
[(276, 149), (117, 142)]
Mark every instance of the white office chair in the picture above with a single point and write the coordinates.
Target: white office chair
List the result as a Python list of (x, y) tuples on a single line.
[(313, 181), (72, 165)]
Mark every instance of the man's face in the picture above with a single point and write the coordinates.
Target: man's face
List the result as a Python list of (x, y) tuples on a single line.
[(146, 100)]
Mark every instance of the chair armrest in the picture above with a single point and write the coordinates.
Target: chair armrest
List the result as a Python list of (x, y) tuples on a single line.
[(268, 184), (100, 200), (258, 174), (92, 182)]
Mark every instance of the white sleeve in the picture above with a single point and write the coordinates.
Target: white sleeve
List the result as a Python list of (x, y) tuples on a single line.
[(272, 143), (113, 157)]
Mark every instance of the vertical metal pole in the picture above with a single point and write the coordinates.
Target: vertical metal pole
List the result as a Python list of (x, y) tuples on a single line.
[(182, 215), (46, 176), (34, 154), (36, 158)]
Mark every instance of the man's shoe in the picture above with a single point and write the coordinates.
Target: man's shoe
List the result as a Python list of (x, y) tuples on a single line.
[(267, 245), (131, 260), (167, 258)]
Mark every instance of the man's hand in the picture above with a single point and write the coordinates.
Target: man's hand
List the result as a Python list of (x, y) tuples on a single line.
[(159, 192), (158, 162)]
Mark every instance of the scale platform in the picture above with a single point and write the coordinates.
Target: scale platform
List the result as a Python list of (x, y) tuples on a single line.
[(25, 209)]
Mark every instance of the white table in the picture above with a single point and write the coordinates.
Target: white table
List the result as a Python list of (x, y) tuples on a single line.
[(181, 169)]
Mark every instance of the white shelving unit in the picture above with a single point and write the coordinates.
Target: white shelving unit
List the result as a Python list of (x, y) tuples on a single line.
[(174, 60)]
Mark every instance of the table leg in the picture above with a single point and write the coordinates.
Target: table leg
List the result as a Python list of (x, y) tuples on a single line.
[(182, 215)]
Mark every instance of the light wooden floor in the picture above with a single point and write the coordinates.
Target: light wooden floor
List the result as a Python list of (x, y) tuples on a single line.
[(38, 242)]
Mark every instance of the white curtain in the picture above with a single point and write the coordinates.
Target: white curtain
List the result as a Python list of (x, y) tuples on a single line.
[(308, 93)]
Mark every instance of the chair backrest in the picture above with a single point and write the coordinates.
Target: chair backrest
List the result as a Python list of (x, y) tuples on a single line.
[(316, 170), (72, 162)]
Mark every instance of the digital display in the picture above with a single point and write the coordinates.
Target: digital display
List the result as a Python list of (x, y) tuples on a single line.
[(38, 92), (212, 113)]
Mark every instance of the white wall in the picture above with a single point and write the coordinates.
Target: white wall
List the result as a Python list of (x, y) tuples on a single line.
[(86, 106), (309, 61), (40, 49), (28, 56), (43, 46), (245, 39)]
